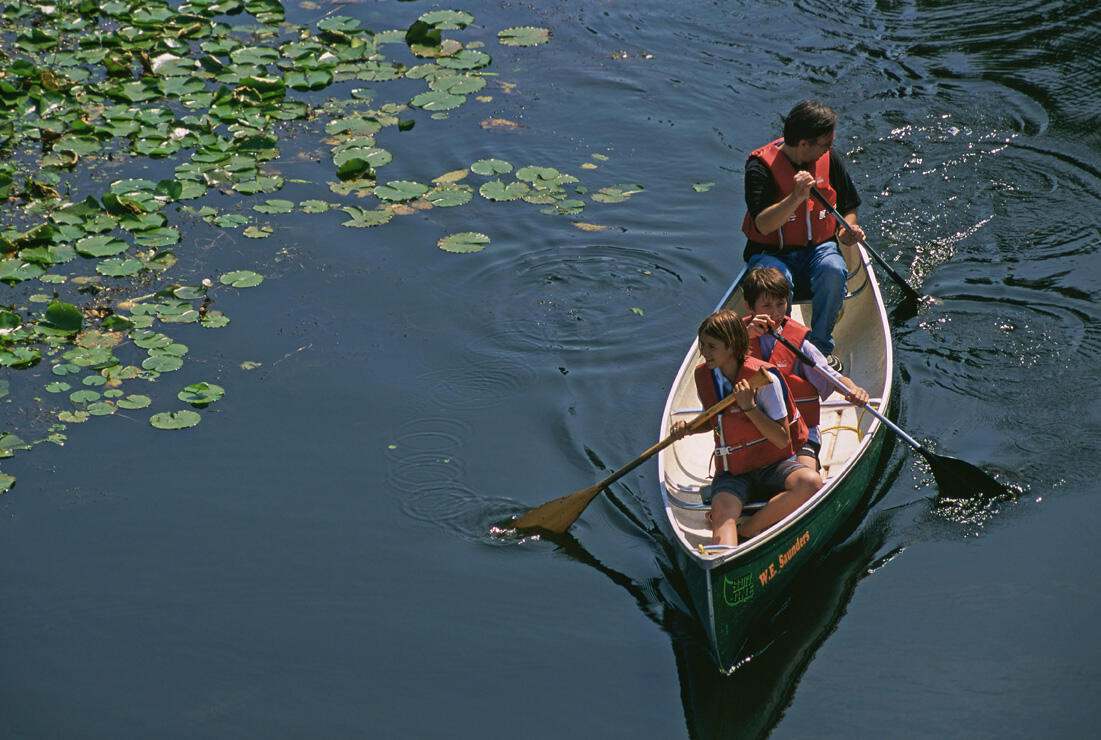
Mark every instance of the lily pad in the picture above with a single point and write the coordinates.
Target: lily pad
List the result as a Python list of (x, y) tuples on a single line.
[(201, 394), (465, 242), (175, 420), (313, 206), (241, 279), (437, 100), (498, 190), (119, 267), (362, 218), (64, 317), (448, 196), (447, 19), (134, 401), (397, 191), (162, 363), (524, 36), (491, 167), (257, 232), (274, 206), (101, 245)]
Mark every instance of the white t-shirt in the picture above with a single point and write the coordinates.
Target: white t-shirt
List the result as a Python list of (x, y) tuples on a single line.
[(769, 397)]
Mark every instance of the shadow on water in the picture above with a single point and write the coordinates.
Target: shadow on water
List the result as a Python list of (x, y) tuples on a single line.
[(750, 702)]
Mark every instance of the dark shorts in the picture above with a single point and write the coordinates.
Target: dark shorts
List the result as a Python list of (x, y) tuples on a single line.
[(757, 485), (810, 449)]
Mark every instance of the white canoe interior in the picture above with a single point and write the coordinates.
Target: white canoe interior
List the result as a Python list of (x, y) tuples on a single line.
[(862, 341)]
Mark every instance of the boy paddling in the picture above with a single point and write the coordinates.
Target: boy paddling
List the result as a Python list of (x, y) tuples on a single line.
[(755, 440), (766, 292)]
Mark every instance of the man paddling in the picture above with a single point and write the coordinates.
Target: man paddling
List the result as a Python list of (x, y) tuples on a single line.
[(788, 229)]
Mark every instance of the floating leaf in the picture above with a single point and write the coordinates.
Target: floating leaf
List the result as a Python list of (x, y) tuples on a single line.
[(523, 36), (313, 206), (362, 218), (449, 196), (7, 482), (58, 386), (101, 246), (464, 243), (437, 100), (465, 59), (638, 311), (119, 267), (134, 401), (175, 420), (64, 317), (451, 177), (162, 363), (616, 193), (73, 417), (257, 232), (491, 167), (589, 227), (241, 279), (447, 19), (83, 396), (274, 206), (100, 408), (19, 357), (702, 187), (250, 365), (397, 191), (497, 190), (201, 394)]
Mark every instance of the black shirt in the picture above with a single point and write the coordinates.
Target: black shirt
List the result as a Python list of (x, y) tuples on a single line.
[(761, 191)]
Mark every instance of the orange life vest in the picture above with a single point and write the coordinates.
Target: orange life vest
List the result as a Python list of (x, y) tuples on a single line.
[(739, 445), (803, 392), (812, 223)]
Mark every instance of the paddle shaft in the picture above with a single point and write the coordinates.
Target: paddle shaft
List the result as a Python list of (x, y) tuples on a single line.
[(878, 258), (841, 387), (558, 515)]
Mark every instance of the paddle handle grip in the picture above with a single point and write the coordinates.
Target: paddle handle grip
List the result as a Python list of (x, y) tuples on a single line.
[(878, 258), (844, 390)]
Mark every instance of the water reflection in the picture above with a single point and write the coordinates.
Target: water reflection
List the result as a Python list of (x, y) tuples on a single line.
[(752, 700)]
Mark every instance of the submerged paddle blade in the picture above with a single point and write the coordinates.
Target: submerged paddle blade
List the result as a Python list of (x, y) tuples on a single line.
[(957, 479), (559, 515)]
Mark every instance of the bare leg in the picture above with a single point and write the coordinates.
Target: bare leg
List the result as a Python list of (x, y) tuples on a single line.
[(808, 461), (725, 509), (799, 486)]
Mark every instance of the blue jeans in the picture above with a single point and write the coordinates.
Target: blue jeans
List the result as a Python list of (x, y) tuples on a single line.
[(820, 271)]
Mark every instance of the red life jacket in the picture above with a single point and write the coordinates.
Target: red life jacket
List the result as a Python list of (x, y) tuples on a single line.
[(812, 223), (739, 445), (804, 394)]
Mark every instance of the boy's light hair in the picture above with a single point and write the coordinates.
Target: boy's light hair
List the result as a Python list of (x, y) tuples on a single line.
[(764, 281), (727, 327)]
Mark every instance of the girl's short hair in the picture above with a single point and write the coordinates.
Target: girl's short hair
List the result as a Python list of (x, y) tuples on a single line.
[(727, 327), (766, 281)]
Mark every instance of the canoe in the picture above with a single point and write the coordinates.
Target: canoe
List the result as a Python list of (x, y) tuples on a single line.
[(736, 591)]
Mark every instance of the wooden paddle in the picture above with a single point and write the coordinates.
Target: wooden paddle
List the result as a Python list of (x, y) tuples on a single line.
[(911, 294), (948, 472), (558, 515)]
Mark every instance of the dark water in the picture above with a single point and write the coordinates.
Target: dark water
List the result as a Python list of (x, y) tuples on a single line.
[(313, 561)]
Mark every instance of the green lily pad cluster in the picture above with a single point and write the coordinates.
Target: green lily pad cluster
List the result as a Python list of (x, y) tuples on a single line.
[(194, 97)]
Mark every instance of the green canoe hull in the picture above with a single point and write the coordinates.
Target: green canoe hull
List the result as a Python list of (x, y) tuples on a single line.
[(740, 595)]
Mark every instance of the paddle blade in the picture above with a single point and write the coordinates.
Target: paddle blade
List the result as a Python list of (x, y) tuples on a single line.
[(957, 479), (558, 515)]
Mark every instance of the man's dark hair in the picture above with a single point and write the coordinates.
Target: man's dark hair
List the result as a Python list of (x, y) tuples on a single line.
[(809, 119)]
